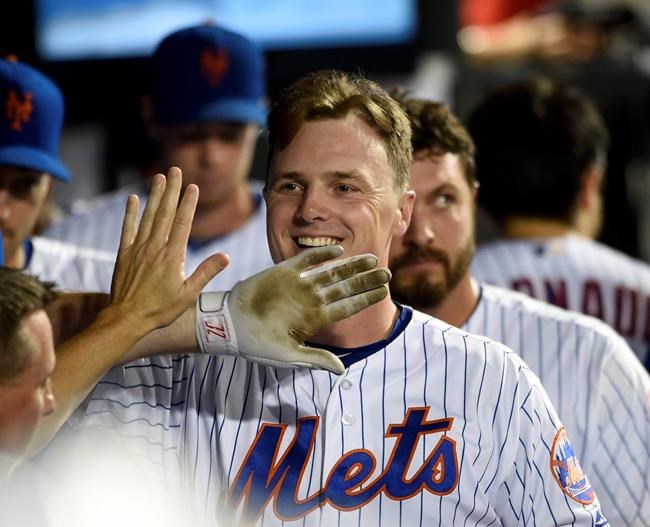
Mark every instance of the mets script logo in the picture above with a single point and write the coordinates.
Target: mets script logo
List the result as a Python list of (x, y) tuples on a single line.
[(18, 111), (268, 474), (567, 471), (214, 65)]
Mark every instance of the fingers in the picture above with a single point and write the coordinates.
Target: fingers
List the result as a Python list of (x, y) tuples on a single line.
[(306, 259), (182, 223), (130, 221), (353, 304), (166, 209), (356, 284), (333, 272), (206, 271), (321, 359), (158, 185)]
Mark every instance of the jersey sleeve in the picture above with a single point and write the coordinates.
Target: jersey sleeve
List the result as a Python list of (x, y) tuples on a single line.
[(542, 480), (620, 460)]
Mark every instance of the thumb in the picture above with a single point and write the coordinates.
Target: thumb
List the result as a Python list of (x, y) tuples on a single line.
[(322, 359), (206, 271)]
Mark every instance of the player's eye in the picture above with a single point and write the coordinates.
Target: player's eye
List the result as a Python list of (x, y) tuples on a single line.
[(21, 188), (288, 187), (443, 201), (342, 187)]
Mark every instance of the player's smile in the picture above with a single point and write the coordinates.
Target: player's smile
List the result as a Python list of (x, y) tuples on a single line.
[(315, 241)]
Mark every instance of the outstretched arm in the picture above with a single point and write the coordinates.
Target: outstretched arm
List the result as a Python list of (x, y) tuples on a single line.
[(149, 291)]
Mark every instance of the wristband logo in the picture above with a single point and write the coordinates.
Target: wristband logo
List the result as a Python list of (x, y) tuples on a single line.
[(214, 328)]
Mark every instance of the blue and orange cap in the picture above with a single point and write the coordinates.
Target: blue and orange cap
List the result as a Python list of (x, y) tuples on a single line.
[(31, 119), (208, 73)]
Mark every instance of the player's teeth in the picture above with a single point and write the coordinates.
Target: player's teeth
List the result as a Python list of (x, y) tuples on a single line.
[(316, 242)]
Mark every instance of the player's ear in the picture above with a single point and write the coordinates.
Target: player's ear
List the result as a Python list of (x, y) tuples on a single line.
[(404, 213), (591, 187)]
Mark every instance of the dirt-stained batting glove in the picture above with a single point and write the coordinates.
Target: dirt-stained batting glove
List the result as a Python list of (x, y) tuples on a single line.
[(267, 317)]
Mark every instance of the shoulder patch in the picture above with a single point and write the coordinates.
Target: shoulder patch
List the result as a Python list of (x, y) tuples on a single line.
[(568, 472)]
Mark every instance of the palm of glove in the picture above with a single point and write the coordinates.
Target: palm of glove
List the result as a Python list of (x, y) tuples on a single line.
[(277, 309)]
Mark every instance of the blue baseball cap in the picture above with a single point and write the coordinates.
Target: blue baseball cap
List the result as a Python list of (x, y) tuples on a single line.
[(207, 73), (31, 118)]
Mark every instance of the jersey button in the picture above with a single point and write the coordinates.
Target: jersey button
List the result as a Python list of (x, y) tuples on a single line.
[(345, 384), (347, 419)]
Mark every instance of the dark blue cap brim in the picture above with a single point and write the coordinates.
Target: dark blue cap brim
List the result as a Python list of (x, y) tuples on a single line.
[(33, 159), (231, 110)]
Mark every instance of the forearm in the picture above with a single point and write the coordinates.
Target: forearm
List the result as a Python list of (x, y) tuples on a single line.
[(178, 337)]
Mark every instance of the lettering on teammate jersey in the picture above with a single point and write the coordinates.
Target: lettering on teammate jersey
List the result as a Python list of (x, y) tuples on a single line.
[(267, 474), (568, 472), (627, 317)]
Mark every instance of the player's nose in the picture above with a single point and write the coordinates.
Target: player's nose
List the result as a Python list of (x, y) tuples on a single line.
[(313, 206)]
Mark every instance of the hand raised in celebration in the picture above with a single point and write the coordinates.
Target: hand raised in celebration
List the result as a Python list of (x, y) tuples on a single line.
[(149, 284)]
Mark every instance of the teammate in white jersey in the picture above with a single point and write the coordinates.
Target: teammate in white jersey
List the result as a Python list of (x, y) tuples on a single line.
[(30, 128), (207, 107), (593, 378), (540, 158), (428, 425)]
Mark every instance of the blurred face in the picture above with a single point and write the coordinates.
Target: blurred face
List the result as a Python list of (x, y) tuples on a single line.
[(215, 156), (333, 185), (435, 253), (22, 196), (28, 396)]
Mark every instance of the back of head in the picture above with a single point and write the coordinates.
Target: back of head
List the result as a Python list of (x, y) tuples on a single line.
[(207, 73), (534, 142), (435, 129), (21, 295), (31, 119), (334, 95)]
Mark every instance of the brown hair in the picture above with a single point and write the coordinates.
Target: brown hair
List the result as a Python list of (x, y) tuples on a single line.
[(21, 295), (334, 94), (434, 127)]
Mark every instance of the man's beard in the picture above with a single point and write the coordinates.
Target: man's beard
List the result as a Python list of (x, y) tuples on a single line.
[(418, 289)]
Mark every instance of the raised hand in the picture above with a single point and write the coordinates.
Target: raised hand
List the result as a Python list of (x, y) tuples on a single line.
[(149, 284)]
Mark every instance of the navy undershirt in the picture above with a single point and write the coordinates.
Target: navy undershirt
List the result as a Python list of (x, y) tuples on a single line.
[(349, 356)]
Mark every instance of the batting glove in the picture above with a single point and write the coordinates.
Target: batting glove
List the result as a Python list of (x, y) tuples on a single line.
[(267, 317)]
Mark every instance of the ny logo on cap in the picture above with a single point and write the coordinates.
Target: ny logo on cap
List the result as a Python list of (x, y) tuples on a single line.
[(18, 112), (214, 65)]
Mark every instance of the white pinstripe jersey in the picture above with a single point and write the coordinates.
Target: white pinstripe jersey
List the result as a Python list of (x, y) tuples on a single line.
[(599, 388), (578, 274), (100, 225), (69, 267), (432, 427)]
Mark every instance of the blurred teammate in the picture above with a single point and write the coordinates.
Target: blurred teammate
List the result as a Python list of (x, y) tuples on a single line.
[(591, 375), (207, 107), (30, 129), (427, 425), (540, 157)]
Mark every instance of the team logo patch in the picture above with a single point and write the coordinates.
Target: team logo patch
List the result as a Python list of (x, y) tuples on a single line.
[(17, 111), (568, 472), (214, 65)]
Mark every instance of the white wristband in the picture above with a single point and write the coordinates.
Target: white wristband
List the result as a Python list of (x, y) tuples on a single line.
[(215, 331)]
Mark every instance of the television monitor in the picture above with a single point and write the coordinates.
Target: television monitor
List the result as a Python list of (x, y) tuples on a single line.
[(114, 29)]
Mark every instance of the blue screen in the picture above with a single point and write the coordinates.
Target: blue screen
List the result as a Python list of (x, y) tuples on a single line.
[(91, 29)]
